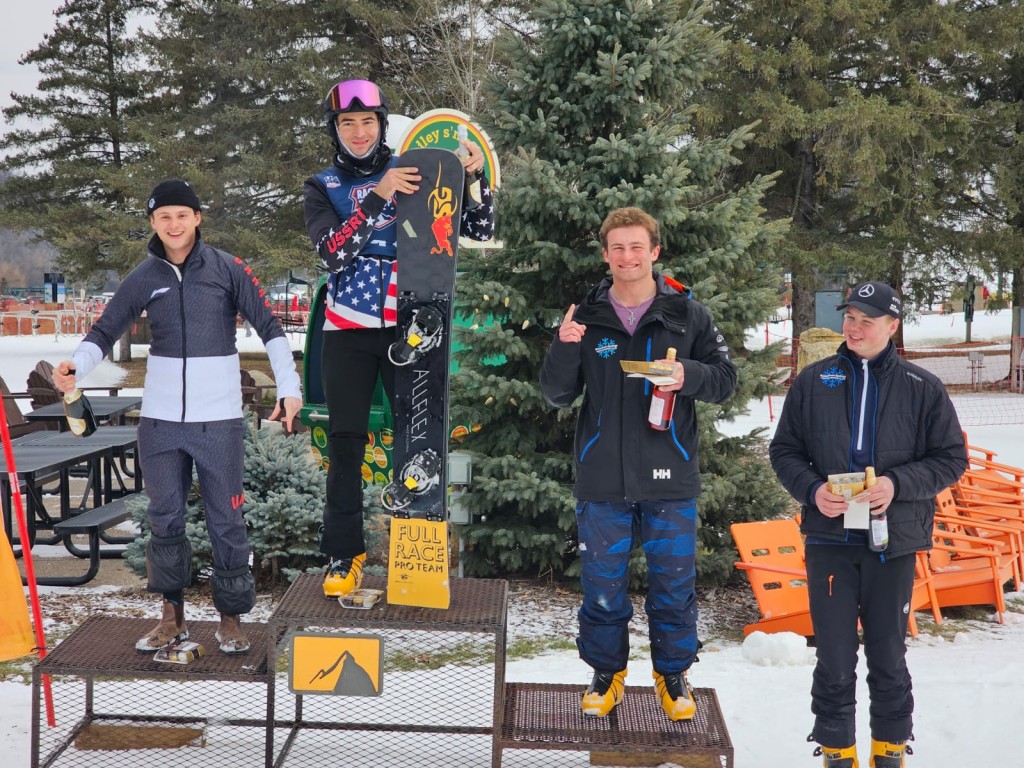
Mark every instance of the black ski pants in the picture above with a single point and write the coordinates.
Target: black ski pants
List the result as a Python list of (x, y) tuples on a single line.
[(352, 360), (848, 584)]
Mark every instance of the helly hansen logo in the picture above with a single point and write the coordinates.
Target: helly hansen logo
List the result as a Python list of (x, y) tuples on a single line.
[(663, 474), (237, 500)]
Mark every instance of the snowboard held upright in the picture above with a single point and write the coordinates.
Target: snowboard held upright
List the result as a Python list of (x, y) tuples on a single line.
[(428, 241)]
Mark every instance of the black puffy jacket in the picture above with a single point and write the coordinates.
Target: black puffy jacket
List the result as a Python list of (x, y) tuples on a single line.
[(618, 457), (915, 440)]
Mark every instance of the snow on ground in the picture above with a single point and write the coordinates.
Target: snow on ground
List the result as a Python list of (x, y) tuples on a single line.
[(966, 677)]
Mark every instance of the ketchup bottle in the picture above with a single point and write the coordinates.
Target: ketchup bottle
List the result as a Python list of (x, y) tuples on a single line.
[(662, 402)]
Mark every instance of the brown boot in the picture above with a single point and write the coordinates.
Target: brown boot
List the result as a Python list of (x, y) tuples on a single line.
[(171, 629), (230, 635)]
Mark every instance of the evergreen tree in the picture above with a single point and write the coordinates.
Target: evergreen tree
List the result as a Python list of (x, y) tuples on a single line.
[(76, 141), (594, 106), (859, 113), (238, 87), (992, 74)]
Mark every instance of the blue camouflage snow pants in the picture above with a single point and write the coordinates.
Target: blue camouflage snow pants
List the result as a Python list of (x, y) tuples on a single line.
[(668, 532)]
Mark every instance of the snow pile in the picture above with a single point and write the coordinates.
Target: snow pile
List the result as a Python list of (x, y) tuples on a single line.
[(777, 649)]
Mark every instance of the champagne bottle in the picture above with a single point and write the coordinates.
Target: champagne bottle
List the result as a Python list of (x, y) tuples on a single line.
[(878, 530), (78, 409), (662, 403)]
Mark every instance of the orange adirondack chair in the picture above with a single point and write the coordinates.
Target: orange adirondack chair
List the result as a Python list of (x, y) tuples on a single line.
[(772, 555), (969, 570), (985, 473), (999, 523)]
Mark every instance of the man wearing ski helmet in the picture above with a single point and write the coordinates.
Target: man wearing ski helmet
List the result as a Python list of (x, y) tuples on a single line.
[(349, 209)]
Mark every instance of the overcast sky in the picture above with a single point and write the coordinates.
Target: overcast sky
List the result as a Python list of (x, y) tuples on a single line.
[(22, 29)]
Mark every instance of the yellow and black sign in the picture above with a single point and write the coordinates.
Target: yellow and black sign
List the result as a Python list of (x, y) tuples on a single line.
[(418, 566), (337, 664)]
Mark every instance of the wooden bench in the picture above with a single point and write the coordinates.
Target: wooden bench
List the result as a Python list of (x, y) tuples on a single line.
[(92, 522)]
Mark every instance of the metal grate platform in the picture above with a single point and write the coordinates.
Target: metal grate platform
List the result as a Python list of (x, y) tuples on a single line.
[(478, 605), (116, 706), (106, 645), (443, 679), (543, 716), (444, 700)]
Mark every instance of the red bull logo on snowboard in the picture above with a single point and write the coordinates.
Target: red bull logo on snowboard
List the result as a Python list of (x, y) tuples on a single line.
[(443, 205)]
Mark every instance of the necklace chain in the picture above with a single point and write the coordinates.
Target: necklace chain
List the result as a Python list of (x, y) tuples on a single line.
[(630, 310)]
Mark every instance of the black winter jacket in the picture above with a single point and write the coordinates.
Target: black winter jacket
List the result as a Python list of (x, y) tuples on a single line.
[(915, 440), (619, 457)]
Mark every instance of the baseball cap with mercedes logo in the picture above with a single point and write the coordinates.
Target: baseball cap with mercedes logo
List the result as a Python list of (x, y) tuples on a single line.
[(874, 299)]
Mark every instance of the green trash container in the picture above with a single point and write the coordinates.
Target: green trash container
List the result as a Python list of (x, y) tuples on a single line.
[(377, 461)]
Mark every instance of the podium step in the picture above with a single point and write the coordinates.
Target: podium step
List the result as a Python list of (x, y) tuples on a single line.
[(478, 605), (115, 706), (105, 646), (545, 716)]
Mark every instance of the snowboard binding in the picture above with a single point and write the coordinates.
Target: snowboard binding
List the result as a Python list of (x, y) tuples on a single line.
[(424, 333), (420, 475)]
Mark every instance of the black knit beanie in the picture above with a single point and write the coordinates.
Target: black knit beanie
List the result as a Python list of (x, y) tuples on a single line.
[(173, 192)]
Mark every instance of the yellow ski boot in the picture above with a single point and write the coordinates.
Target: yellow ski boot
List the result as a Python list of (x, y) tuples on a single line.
[(344, 575), (675, 696), (887, 754), (845, 757), (604, 693)]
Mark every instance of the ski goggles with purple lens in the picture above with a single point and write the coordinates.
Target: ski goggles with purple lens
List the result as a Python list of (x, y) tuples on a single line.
[(366, 93)]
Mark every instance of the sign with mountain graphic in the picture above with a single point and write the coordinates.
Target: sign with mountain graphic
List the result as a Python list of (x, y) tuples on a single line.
[(337, 664)]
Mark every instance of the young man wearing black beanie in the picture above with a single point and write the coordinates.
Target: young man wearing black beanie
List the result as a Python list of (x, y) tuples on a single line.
[(191, 404)]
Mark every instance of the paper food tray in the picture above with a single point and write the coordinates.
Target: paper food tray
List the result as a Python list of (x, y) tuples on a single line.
[(361, 599)]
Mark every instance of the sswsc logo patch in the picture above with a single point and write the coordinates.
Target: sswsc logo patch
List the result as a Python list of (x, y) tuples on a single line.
[(606, 347), (833, 377)]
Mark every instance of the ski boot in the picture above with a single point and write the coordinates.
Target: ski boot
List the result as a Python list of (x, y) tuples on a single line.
[(604, 693), (888, 754), (423, 335), (230, 636), (675, 696), (344, 575), (845, 757), (419, 475), (171, 628)]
